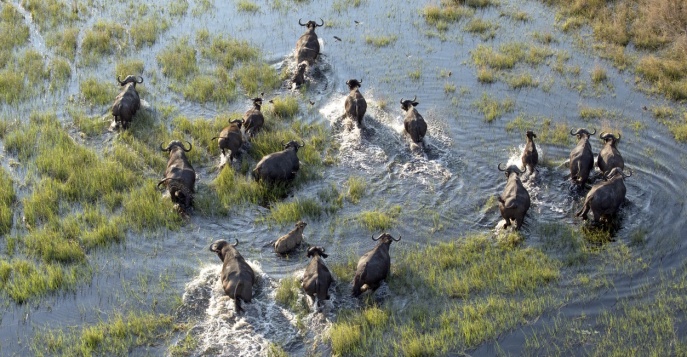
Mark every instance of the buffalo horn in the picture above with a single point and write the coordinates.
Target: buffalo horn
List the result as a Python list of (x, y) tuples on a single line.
[(163, 149), (500, 169), (626, 176), (604, 135), (140, 80), (618, 138), (396, 240), (401, 100), (414, 99), (120, 82), (235, 243), (590, 134), (373, 237), (189, 147), (575, 133), (162, 181), (301, 23), (301, 145), (322, 24)]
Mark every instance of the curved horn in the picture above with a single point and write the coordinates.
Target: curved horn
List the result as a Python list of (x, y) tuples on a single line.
[(575, 133), (618, 138), (235, 243), (401, 101), (164, 149), (140, 80), (500, 169), (301, 23), (162, 181), (414, 99), (189, 147), (322, 24), (590, 134), (373, 238), (301, 145), (396, 240), (630, 174), (604, 135), (120, 82)]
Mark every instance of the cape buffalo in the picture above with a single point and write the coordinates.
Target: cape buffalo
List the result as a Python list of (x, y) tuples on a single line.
[(237, 276), (127, 101), (317, 278), (279, 166), (610, 157), (290, 240), (515, 200), (605, 198), (299, 78), (230, 138), (413, 122), (308, 47), (530, 157), (373, 266), (355, 103), (180, 177), (253, 120), (581, 157)]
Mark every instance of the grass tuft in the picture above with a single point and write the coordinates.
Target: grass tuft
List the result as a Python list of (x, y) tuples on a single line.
[(492, 108)]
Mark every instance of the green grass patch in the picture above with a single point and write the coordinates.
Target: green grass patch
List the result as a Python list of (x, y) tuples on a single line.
[(117, 336), (97, 92), (64, 42), (217, 88), (178, 60), (60, 72), (105, 38), (294, 211), (441, 15), (13, 30), (255, 78), (476, 290), (12, 87), (381, 40), (521, 80), (129, 66), (23, 279), (548, 130), (588, 113), (146, 30), (49, 14), (247, 6), (482, 27), (282, 107), (226, 51), (287, 295), (7, 198), (599, 74), (376, 221), (493, 109), (486, 75), (355, 189)]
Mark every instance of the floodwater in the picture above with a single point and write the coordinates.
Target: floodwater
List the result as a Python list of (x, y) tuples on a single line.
[(448, 183)]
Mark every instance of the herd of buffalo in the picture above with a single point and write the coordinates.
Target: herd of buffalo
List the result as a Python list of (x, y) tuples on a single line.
[(237, 277)]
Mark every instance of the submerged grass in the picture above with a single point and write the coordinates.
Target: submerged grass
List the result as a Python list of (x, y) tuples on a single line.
[(483, 289), (7, 199), (376, 221), (492, 108)]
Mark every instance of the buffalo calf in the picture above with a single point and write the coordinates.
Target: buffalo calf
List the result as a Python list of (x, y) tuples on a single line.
[(290, 240)]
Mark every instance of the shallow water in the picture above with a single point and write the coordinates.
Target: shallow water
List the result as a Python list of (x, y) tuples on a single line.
[(452, 179)]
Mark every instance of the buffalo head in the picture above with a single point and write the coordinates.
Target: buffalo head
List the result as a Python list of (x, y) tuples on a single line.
[(176, 143), (510, 169), (606, 137), (220, 245), (407, 104), (530, 134), (386, 238), (354, 83), (316, 250), (311, 24), (130, 79), (580, 132), (292, 144)]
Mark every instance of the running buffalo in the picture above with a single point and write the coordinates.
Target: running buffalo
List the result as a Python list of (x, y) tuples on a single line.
[(237, 276), (605, 198), (230, 138), (581, 157), (180, 177), (610, 157), (127, 102), (373, 266), (355, 103), (413, 122), (299, 78), (515, 200), (253, 120), (279, 166), (308, 47), (317, 278), (530, 157), (290, 240)]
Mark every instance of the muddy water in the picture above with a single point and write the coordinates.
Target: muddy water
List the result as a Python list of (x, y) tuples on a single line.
[(441, 191)]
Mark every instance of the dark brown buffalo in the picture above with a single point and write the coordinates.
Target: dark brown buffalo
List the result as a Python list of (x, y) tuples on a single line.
[(127, 102), (605, 198), (530, 157), (317, 278), (373, 266), (515, 200), (355, 103), (413, 122), (237, 276), (253, 120), (308, 47), (610, 157), (279, 166), (581, 157), (180, 177), (231, 138)]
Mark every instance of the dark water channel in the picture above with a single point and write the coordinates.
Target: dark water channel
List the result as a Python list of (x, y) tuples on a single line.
[(442, 192)]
